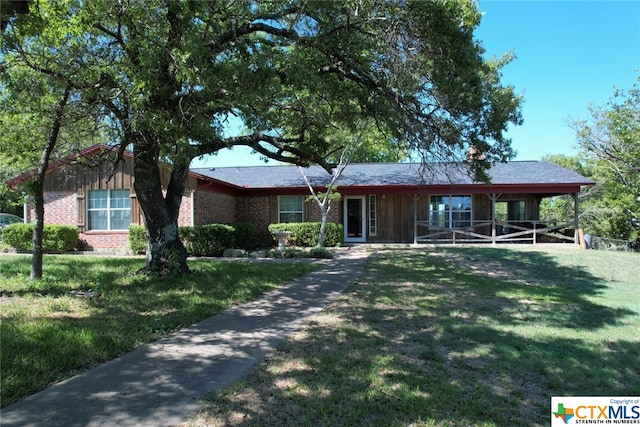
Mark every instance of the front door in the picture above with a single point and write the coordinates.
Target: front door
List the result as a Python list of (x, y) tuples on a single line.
[(354, 219)]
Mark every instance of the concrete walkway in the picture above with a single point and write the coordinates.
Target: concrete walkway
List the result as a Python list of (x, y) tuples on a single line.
[(161, 384)]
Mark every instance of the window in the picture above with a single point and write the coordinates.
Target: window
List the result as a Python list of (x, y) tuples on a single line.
[(512, 210), (109, 210), (290, 208), (450, 211), (373, 216)]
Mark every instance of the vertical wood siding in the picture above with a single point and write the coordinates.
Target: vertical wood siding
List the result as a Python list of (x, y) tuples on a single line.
[(396, 213)]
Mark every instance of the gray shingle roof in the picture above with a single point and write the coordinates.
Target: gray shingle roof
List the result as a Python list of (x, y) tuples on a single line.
[(393, 174)]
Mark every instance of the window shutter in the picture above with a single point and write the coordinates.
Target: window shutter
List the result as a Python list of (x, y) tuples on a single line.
[(81, 207), (135, 209)]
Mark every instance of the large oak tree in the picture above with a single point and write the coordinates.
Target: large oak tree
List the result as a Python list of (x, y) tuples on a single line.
[(170, 75)]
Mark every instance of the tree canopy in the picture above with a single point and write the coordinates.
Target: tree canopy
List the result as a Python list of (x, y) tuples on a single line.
[(169, 75), (609, 153), (609, 142)]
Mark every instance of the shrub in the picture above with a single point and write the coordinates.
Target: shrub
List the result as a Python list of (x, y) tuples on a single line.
[(207, 240), (306, 233), (316, 252), (55, 238), (18, 236), (137, 239), (202, 240), (290, 252), (243, 232)]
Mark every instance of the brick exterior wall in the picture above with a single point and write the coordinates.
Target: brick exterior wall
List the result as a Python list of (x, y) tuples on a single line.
[(60, 208), (214, 208), (316, 216), (210, 207), (185, 216), (111, 240), (257, 210), (263, 210)]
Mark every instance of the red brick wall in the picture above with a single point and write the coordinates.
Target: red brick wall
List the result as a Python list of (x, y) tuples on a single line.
[(185, 216), (263, 210), (97, 240), (316, 216), (258, 211), (210, 207), (60, 208), (214, 208)]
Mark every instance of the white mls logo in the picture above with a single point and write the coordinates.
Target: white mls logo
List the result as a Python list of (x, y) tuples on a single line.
[(576, 410)]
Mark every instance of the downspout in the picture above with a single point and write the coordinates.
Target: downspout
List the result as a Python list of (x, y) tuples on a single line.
[(193, 208), (25, 209)]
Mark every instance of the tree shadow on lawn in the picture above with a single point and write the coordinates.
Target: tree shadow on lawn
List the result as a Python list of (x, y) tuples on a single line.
[(419, 340), (50, 346), (63, 273), (522, 288)]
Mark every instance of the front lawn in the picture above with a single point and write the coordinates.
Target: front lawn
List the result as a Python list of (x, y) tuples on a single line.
[(87, 310), (453, 336)]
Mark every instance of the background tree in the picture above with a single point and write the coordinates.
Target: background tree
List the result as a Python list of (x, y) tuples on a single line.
[(10, 201), (609, 143), (171, 73), (561, 208), (10, 9), (609, 153), (41, 121)]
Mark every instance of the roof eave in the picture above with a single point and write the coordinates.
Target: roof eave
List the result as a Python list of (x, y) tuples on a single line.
[(477, 188)]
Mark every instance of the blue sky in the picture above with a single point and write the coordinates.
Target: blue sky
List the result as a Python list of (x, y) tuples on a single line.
[(568, 54)]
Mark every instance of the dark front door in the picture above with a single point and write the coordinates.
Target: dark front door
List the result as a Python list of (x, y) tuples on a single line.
[(354, 223)]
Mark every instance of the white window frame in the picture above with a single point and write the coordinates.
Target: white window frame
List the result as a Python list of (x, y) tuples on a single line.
[(290, 212), (373, 215), (108, 209)]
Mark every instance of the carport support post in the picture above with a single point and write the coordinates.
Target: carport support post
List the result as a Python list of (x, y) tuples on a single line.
[(494, 197), (576, 216), (415, 219)]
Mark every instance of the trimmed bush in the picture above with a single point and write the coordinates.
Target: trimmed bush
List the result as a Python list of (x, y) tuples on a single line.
[(207, 240), (18, 236), (203, 240), (137, 239), (243, 232), (56, 238), (306, 234)]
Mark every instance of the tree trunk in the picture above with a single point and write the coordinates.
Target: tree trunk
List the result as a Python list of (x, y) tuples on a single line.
[(38, 232), (165, 251), (38, 187), (323, 224)]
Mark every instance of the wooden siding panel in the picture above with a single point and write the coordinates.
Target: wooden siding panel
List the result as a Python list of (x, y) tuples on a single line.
[(81, 206), (395, 219), (385, 219), (80, 177), (135, 210)]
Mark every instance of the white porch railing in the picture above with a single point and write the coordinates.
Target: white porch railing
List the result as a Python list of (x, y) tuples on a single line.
[(488, 231)]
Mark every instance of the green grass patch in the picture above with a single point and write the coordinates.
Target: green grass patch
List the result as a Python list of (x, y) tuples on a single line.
[(49, 334), (453, 336)]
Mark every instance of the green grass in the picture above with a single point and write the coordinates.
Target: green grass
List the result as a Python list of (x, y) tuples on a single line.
[(47, 334), (453, 336)]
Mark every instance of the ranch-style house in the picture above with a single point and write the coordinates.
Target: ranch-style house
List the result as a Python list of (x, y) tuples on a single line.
[(381, 203)]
